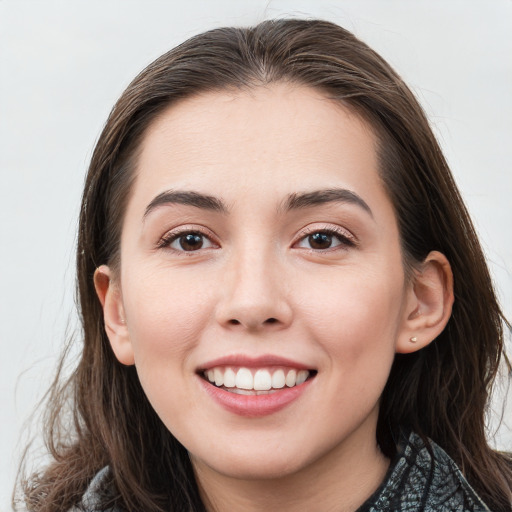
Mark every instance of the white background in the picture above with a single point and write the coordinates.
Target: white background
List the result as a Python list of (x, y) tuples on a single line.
[(64, 63)]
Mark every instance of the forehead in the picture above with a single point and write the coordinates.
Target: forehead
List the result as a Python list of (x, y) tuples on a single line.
[(278, 133)]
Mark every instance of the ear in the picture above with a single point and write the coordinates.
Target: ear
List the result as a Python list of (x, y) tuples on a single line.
[(428, 304), (113, 313)]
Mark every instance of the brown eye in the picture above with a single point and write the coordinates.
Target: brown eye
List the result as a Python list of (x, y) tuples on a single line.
[(326, 239), (320, 240), (189, 241)]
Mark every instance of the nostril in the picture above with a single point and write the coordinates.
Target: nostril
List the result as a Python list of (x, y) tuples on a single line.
[(268, 321)]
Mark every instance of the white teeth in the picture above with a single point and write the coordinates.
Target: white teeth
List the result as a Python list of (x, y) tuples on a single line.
[(242, 391), (301, 377), (262, 380), (291, 378), (229, 378), (218, 375), (244, 379), (278, 380)]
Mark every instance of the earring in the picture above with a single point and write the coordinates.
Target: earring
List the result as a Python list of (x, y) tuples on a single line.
[(413, 339)]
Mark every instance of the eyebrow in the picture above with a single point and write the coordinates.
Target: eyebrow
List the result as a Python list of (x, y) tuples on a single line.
[(187, 198), (298, 201), (295, 201)]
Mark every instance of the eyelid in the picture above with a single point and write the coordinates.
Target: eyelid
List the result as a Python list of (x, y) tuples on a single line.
[(344, 234), (169, 236)]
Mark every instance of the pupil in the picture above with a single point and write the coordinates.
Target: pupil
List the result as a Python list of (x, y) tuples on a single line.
[(320, 240), (191, 242)]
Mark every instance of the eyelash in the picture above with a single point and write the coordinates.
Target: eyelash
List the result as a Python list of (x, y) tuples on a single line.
[(345, 239), (169, 238)]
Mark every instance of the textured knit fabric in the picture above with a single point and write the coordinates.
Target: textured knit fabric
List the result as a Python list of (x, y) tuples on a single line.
[(423, 480), (417, 480)]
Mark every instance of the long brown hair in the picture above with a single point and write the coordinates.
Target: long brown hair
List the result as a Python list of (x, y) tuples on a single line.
[(441, 392)]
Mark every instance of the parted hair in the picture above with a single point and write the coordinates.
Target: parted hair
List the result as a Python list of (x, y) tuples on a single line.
[(99, 415)]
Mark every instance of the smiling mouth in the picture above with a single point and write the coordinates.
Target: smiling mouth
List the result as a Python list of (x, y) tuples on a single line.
[(262, 381)]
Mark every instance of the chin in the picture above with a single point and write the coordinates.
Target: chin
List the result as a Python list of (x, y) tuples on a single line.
[(253, 467)]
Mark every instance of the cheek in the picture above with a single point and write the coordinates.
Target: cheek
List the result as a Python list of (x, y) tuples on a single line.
[(165, 318), (356, 319), (165, 315)]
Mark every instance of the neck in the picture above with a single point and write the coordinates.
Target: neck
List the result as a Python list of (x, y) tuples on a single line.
[(339, 481)]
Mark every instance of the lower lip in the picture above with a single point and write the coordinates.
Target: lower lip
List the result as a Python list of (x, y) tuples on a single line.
[(254, 405)]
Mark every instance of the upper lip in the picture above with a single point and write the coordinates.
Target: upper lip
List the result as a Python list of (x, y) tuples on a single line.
[(254, 362)]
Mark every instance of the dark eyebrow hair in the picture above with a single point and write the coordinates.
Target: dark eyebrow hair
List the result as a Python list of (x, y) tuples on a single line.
[(188, 198), (307, 199)]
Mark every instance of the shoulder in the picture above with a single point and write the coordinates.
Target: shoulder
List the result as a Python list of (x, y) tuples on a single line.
[(423, 477), (98, 492)]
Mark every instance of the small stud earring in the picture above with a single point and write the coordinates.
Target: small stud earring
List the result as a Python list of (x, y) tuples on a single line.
[(413, 339)]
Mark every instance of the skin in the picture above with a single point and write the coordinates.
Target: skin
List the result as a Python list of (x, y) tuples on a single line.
[(257, 287)]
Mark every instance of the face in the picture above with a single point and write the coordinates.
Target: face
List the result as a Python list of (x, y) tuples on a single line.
[(261, 285)]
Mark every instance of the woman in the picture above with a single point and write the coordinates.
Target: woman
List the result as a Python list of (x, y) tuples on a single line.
[(284, 302)]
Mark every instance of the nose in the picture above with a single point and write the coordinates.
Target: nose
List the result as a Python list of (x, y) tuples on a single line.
[(254, 294)]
